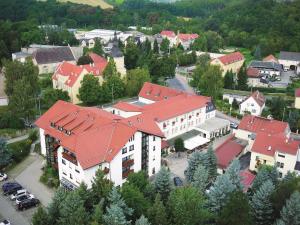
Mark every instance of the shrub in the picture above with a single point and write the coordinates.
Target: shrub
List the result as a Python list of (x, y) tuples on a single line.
[(20, 150), (33, 136)]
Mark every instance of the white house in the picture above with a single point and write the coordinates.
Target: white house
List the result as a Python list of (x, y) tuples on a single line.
[(290, 60), (254, 104)]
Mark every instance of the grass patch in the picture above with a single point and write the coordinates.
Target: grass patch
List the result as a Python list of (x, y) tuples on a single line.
[(12, 133), (247, 54)]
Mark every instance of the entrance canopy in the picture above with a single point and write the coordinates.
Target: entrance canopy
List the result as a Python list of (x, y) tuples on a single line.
[(195, 142)]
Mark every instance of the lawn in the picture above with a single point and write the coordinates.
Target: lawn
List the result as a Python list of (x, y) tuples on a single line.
[(101, 3), (247, 53)]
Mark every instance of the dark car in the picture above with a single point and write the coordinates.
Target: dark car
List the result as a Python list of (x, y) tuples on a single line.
[(11, 188), (178, 182), (28, 203)]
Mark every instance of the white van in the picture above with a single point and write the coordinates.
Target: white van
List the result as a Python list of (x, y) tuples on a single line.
[(18, 194)]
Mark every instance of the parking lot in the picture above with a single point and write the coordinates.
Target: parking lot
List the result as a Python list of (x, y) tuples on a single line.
[(27, 174), (285, 80)]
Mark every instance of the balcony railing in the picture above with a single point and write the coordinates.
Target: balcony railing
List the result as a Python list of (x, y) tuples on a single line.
[(128, 163), (126, 173), (70, 158)]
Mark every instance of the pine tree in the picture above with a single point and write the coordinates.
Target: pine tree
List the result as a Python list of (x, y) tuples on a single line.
[(196, 159), (265, 173), (233, 172), (98, 47), (115, 198), (5, 156), (55, 206), (257, 53), (261, 204), (165, 46), (97, 216), (219, 193), (229, 80), (40, 217), (242, 78), (179, 145), (163, 184), (157, 213), (200, 179), (211, 164), (290, 213), (289, 176), (101, 187), (142, 221), (115, 216)]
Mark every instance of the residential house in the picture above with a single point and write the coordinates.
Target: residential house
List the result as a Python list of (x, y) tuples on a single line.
[(20, 56), (254, 104), (290, 60), (271, 58), (170, 35), (255, 79), (297, 98), (68, 77), (186, 40), (230, 62), (267, 69)]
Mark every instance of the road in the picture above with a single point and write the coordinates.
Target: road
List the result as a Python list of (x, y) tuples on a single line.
[(180, 82)]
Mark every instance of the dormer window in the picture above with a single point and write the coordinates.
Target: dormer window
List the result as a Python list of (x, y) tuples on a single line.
[(164, 125), (60, 128), (52, 124), (68, 132), (173, 123)]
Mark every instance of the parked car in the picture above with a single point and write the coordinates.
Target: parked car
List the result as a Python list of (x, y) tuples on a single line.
[(28, 203), (19, 193), (5, 222), (178, 182), (3, 176), (233, 125), (11, 188), (23, 198)]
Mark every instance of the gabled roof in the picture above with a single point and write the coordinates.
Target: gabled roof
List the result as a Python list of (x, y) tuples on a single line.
[(297, 92), (228, 151), (270, 58), (258, 97), (70, 71), (231, 58), (168, 33), (187, 37), (53, 55), (257, 124), (269, 144), (266, 65), (292, 56), (253, 72), (156, 92), (127, 107), (247, 179)]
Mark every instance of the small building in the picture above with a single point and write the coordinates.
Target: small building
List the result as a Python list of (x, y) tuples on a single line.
[(20, 56), (47, 59), (186, 40), (255, 79), (267, 69), (297, 98), (232, 97), (290, 60), (271, 58), (254, 104), (170, 35), (231, 62)]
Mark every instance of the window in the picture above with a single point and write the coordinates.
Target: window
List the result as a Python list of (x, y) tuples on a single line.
[(63, 161), (153, 148), (153, 158), (265, 161), (124, 150), (281, 165), (131, 148), (280, 175), (71, 177), (77, 171), (153, 170), (281, 155), (64, 173), (153, 138)]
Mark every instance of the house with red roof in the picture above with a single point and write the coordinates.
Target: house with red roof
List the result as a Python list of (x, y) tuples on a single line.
[(230, 62), (297, 98), (68, 76), (271, 58), (255, 78), (254, 104), (186, 40)]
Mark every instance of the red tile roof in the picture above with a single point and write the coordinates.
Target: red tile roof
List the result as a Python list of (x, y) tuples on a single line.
[(168, 33), (268, 144), (156, 92), (253, 72), (247, 179), (270, 58), (228, 151), (127, 107), (257, 124), (187, 37), (258, 97), (231, 58), (297, 92)]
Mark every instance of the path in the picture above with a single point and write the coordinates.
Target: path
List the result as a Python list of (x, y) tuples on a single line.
[(21, 138)]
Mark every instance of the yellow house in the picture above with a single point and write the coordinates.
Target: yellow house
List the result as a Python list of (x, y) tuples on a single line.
[(297, 98), (232, 61)]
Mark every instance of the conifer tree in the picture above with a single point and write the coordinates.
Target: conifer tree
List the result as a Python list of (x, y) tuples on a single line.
[(55, 206), (290, 213), (5, 156), (98, 47), (110, 69), (97, 216), (40, 217), (200, 179), (142, 221), (196, 159), (155, 47), (265, 173), (261, 204), (229, 80), (220, 193), (157, 213), (211, 163), (163, 184), (233, 172), (242, 78), (101, 187)]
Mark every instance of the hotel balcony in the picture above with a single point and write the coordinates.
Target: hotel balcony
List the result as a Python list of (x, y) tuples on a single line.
[(126, 173), (70, 158), (128, 163)]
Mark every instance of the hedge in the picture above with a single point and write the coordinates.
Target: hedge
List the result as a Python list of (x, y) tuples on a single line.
[(20, 150)]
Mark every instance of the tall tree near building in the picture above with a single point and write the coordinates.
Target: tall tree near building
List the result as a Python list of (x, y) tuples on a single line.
[(135, 79), (257, 53), (233, 172), (157, 212), (219, 193), (242, 78), (155, 47), (163, 184), (290, 213), (142, 221), (89, 92), (236, 210), (211, 82), (5, 156), (40, 217), (98, 49), (200, 179), (196, 159), (179, 145), (277, 108), (229, 80), (55, 206), (211, 164), (110, 69), (84, 60), (165, 46), (131, 55), (4, 53), (97, 216), (187, 207), (261, 204), (101, 187), (50, 96), (265, 173), (112, 88)]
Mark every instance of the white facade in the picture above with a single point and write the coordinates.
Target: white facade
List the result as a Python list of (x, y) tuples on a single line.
[(42, 142), (287, 64), (231, 97), (251, 106)]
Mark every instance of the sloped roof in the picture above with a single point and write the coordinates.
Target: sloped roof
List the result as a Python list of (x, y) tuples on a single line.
[(292, 56), (253, 72), (187, 37), (53, 55), (168, 33), (270, 58), (127, 107), (266, 65), (156, 92), (297, 92), (247, 179), (258, 97), (231, 58), (257, 124), (68, 70)]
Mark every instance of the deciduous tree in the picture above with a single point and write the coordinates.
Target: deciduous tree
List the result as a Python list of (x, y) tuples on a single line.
[(135, 79), (157, 212), (89, 92)]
